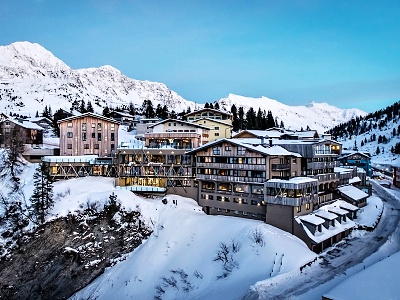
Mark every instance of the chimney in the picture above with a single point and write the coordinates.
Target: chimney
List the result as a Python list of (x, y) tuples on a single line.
[(270, 142)]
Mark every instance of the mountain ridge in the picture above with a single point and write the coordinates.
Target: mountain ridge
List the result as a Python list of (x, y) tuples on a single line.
[(32, 77)]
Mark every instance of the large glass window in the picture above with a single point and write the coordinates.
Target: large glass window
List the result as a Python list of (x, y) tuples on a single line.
[(241, 188), (216, 150), (226, 187)]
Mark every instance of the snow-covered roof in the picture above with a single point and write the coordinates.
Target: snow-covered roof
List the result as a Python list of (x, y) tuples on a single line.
[(209, 109), (347, 153), (352, 192), (26, 124), (342, 170), (354, 180), (38, 119), (325, 214), (347, 206), (88, 114), (312, 219), (337, 210), (242, 142)]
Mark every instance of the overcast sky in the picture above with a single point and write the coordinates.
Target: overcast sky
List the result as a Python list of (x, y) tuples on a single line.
[(346, 53)]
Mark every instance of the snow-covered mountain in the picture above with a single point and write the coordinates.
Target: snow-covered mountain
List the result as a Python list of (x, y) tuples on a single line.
[(32, 77), (319, 116)]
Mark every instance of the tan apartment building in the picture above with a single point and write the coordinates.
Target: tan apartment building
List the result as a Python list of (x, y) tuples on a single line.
[(218, 129), (88, 133)]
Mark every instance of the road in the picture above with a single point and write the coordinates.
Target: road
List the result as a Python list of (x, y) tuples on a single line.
[(340, 258)]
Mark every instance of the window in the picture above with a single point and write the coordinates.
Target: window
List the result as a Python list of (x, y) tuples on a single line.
[(216, 128), (298, 209), (241, 150), (174, 124), (244, 213), (69, 134), (69, 124), (93, 135), (83, 136), (254, 202), (228, 148), (216, 134), (86, 146), (307, 206), (83, 126), (216, 150), (93, 125), (99, 136), (112, 127), (112, 147), (99, 126), (96, 146), (69, 146)]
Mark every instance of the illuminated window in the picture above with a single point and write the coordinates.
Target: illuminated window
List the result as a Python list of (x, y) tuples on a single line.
[(69, 124)]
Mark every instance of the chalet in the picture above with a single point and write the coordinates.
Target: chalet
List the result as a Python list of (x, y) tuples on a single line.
[(29, 133), (358, 159), (210, 113), (353, 195), (43, 122), (123, 118), (88, 133)]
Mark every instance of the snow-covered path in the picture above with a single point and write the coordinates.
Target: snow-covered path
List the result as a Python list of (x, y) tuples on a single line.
[(346, 257)]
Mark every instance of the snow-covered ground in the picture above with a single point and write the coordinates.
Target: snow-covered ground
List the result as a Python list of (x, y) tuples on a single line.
[(183, 247)]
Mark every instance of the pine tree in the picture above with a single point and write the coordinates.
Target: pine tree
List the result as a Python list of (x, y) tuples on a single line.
[(42, 198), (235, 121), (242, 124), (106, 112), (270, 120), (37, 114), (378, 151), (216, 106), (82, 107), (89, 107), (211, 106), (206, 105)]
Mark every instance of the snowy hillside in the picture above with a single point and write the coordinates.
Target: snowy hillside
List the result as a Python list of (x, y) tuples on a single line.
[(377, 133), (319, 116), (32, 77)]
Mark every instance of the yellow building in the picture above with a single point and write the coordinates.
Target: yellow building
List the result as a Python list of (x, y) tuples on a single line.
[(218, 129)]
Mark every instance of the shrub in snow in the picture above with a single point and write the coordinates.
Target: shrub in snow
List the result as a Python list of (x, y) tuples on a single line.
[(257, 237), (225, 255)]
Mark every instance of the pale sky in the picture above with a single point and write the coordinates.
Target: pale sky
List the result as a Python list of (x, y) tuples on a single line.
[(346, 53)]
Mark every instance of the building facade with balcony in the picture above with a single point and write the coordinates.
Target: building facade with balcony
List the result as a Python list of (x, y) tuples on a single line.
[(177, 134), (319, 159), (231, 176), (218, 129)]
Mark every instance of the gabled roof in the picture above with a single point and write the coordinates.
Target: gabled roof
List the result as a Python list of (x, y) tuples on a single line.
[(37, 119), (348, 153), (274, 150), (88, 114), (352, 192), (209, 109), (26, 124), (180, 122)]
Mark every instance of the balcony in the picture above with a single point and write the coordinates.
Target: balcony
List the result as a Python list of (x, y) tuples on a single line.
[(280, 167), (231, 166), (323, 178), (229, 178), (322, 165), (298, 201)]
